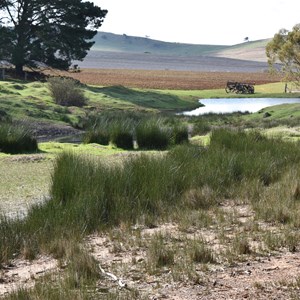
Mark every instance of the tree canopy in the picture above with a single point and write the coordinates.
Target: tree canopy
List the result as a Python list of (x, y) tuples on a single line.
[(285, 48), (43, 32)]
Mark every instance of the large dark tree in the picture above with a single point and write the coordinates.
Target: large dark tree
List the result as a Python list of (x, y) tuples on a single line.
[(50, 32)]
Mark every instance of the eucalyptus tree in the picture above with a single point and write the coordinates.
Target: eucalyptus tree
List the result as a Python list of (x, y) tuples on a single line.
[(43, 32), (285, 49)]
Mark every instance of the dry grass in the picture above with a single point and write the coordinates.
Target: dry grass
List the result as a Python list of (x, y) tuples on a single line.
[(167, 79)]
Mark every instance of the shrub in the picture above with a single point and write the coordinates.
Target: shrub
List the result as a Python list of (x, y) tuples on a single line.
[(66, 91), (16, 139)]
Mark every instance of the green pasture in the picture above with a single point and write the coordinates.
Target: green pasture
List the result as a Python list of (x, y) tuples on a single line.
[(269, 90), (23, 100)]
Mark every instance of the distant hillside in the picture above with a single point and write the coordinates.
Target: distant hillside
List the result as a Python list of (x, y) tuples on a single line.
[(255, 50), (105, 41)]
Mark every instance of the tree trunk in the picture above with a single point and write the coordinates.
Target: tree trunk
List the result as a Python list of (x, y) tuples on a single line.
[(19, 71)]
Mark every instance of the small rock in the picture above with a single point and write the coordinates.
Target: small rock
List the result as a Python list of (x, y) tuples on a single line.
[(266, 115)]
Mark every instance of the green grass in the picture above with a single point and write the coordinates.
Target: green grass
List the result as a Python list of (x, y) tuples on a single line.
[(32, 101), (54, 148), (270, 90), (123, 98), (235, 165), (26, 181), (22, 100)]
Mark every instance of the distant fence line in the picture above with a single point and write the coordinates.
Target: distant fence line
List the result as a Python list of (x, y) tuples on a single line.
[(4, 75)]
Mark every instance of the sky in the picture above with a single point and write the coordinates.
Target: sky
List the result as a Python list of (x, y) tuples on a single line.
[(218, 22)]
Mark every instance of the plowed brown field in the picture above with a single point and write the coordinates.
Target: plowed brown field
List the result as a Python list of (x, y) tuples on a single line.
[(167, 79)]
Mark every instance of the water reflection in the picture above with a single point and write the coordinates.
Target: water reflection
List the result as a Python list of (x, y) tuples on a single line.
[(230, 105)]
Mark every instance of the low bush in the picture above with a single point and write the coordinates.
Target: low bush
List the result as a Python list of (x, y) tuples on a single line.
[(66, 92), (16, 139)]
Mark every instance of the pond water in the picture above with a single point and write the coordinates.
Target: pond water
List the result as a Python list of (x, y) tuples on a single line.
[(230, 105)]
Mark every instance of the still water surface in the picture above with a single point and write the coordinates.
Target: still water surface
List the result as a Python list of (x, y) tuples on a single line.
[(230, 105)]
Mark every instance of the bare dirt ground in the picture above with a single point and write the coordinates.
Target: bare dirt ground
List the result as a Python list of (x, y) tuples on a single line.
[(123, 256), (23, 274), (255, 276), (167, 79), (145, 70)]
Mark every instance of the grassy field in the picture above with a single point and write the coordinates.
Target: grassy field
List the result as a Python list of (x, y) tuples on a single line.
[(125, 90), (232, 202), (198, 217)]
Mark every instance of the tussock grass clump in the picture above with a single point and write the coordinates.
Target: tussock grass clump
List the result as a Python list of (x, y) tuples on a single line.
[(115, 128), (280, 203), (144, 184), (152, 134), (237, 155), (241, 245), (199, 252), (99, 136), (180, 134), (16, 139), (200, 126), (66, 92), (122, 136), (159, 253)]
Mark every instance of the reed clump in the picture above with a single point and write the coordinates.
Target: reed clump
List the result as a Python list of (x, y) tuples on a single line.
[(15, 138)]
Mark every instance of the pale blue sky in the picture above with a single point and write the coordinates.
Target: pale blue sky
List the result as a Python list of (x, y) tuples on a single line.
[(225, 22)]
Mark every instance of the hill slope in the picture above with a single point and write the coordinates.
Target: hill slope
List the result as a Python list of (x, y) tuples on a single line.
[(105, 41), (255, 50), (110, 42)]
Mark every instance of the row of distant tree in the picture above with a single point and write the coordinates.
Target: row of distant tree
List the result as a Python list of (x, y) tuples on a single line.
[(36, 33)]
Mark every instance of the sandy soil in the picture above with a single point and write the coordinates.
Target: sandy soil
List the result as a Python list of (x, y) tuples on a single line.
[(23, 273), (270, 277), (123, 257)]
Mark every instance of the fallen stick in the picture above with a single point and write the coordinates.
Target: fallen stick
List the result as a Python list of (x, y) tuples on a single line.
[(120, 282)]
